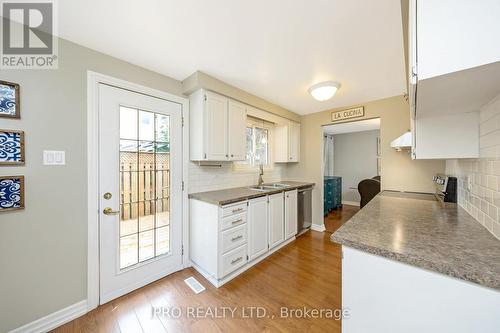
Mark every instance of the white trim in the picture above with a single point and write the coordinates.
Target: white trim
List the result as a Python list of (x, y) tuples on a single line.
[(318, 227), (350, 203), (93, 81), (54, 319)]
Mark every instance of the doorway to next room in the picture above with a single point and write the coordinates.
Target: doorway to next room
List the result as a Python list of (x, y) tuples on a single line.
[(351, 169)]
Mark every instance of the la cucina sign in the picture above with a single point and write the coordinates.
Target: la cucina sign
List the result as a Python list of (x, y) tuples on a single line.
[(348, 114)]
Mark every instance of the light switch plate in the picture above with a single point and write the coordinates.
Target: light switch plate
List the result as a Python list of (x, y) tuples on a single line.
[(54, 157)]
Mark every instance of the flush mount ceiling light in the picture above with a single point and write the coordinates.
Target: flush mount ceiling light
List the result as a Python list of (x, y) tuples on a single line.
[(323, 91)]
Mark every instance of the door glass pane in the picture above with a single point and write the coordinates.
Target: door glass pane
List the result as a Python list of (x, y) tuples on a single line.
[(128, 123), (128, 250), (146, 215), (146, 126), (162, 212), (146, 245), (129, 218), (144, 185), (162, 240), (162, 128)]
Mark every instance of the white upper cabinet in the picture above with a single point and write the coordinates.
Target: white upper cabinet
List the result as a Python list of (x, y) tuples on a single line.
[(287, 143), (217, 127), (454, 70), (237, 131), (454, 35)]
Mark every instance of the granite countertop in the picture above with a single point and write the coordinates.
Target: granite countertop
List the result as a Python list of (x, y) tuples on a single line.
[(419, 231), (231, 195)]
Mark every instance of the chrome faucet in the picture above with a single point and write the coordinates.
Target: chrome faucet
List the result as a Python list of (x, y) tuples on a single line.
[(261, 173)]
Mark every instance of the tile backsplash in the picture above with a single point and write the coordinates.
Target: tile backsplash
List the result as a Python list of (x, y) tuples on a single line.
[(211, 178), (478, 179)]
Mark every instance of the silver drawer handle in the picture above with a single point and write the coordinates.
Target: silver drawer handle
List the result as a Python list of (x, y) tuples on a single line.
[(236, 260), (237, 221), (237, 210), (234, 239)]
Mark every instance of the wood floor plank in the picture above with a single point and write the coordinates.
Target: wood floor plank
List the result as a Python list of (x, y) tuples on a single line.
[(306, 272)]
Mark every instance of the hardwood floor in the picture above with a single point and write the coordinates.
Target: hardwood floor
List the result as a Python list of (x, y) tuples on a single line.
[(306, 273), (335, 219)]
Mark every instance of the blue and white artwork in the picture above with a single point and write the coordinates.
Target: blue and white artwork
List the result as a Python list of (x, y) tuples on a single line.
[(9, 103), (11, 147), (11, 192)]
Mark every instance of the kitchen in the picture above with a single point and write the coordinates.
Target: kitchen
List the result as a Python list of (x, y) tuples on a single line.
[(186, 174)]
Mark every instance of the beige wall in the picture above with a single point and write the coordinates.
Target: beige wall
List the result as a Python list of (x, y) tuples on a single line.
[(201, 80), (398, 171)]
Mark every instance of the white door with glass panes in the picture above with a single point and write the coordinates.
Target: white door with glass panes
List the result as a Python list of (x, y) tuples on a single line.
[(140, 186)]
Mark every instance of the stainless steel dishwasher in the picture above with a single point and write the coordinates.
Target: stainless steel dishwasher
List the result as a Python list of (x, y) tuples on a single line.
[(304, 218)]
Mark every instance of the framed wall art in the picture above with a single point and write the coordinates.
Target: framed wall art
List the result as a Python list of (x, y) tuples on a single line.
[(9, 100), (11, 147), (11, 193)]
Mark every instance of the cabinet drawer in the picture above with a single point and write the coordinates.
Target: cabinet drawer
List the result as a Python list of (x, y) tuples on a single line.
[(234, 209), (233, 221), (233, 260), (234, 237)]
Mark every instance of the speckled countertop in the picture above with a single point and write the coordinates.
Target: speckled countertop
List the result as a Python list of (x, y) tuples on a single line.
[(231, 195), (419, 231)]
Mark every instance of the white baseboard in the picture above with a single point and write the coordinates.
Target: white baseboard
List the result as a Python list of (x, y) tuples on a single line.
[(350, 203), (318, 227), (54, 319)]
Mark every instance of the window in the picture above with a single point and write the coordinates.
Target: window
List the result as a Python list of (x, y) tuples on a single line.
[(259, 135)]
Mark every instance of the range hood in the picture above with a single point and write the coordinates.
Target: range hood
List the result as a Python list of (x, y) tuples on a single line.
[(403, 142)]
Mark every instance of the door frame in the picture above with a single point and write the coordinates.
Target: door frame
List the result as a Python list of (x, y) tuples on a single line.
[(93, 81)]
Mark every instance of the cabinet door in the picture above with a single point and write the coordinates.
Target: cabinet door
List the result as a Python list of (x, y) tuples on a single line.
[(237, 131), (290, 214), (294, 141), (216, 127), (257, 227), (276, 220)]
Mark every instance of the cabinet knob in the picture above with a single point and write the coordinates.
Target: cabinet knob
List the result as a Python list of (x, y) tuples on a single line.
[(227, 155), (232, 155)]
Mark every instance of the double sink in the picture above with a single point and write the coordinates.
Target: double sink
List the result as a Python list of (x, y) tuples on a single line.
[(267, 187)]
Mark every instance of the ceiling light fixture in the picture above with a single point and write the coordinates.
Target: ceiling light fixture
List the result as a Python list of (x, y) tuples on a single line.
[(323, 91)]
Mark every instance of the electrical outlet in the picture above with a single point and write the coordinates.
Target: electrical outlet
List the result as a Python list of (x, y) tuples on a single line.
[(54, 157)]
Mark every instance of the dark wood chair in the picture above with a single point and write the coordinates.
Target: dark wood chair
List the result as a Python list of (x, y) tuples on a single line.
[(368, 189)]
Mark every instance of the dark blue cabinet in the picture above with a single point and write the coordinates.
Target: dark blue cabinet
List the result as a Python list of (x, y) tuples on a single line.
[(332, 187)]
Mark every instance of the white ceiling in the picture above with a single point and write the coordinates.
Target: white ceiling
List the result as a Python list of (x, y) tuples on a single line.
[(354, 126), (275, 49)]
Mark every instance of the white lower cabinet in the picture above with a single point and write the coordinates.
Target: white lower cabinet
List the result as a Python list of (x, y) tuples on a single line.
[(257, 227), (291, 213), (276, 220), (225, 241)]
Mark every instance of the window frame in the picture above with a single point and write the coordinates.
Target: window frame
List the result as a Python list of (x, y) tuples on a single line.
[(262, 124)]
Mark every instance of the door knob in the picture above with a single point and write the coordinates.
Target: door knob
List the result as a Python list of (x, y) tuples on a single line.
[(110, 211)]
